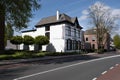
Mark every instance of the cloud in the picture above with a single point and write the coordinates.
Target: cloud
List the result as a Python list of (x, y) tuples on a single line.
[(84, 15), (116, 12), (85, 12)]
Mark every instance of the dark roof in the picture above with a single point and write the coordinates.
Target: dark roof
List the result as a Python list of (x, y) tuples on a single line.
[(28, 30), (90, 31), (52, 20)]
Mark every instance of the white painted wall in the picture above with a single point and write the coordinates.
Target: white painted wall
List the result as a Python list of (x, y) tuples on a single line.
[(40, 31), (57, 37)]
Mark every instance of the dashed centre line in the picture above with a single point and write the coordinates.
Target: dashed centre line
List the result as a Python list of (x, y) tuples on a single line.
[(116, 64), (104, 72), (111, 67), (94, 79)]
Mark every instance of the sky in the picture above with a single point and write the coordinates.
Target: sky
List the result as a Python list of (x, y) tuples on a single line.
[(73, 8)]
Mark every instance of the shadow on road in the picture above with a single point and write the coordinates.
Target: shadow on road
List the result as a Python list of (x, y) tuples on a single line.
[(65, 60), (10, 74)]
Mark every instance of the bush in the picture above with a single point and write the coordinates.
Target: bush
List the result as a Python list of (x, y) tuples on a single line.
[(61, 53), (17, 40), (23, 54), (41, 54), (19, 55), (5, 57), (100, 51), (41, 40), (28, 40)]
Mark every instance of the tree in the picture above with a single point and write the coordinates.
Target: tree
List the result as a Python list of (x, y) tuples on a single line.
[(9, 31), (41, 40), (104, 21), (28, 40), (17, 13), (116, 40), (17, 40)]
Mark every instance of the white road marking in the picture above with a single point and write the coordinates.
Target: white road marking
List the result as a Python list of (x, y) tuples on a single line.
[(59, 68), (94, 79), (111, 67), (116, 64), (104, 72)]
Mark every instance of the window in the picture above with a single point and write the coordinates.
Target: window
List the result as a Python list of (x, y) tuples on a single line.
[(74, 32), (78, 33), (68, 44), (79, 45), (47, 28), (86, 38), (93, 38), (74, 45), (47, 34), (69, 31)]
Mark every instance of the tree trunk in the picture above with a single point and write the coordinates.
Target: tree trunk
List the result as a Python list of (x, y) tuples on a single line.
[(17, 47), (2, 28)]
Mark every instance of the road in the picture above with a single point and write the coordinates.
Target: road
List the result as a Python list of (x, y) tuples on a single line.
[(66, 70)]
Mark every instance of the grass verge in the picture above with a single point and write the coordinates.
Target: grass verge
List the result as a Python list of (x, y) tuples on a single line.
[(17, 54)]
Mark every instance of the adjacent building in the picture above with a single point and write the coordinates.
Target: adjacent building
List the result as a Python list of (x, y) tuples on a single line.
[(63, 31), (91, 40)]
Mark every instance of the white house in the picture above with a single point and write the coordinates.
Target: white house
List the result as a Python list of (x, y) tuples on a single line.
[(62, 30)]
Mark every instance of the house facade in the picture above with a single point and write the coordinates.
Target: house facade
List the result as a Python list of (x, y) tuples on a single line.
[(91, 40), (63, 31)]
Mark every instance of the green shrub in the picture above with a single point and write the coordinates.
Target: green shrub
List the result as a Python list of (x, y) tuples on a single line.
[(5, 57), (17, 40), (53, 54), (28, 40), (19, 55), (100, 51), (40, 54), (41, 40), (23, 54)]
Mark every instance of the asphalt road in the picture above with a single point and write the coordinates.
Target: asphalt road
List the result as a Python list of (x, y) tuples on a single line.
[(64, 70)]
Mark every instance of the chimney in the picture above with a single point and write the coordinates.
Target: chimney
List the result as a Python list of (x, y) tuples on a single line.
[(57, 15)]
